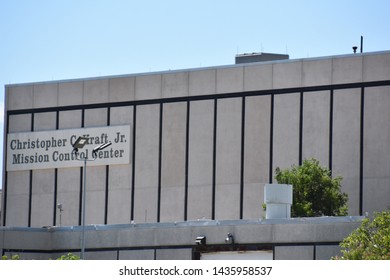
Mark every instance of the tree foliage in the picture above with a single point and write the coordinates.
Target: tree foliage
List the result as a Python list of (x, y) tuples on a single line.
[(315, 192), (69, 257), (371, 241), (13, 258), (66, 257)]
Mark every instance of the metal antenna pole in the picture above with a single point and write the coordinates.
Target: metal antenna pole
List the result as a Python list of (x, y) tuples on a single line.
[(78, 144), (83, 209)]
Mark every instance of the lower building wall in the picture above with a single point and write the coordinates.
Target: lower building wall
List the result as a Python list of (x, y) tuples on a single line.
[(294, 252), (146, 254), (326, 252), (176, 241), (1, 203), (174, 254)]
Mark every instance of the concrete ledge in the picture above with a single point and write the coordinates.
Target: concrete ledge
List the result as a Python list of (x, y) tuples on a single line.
[(180, 234), (25, 238)]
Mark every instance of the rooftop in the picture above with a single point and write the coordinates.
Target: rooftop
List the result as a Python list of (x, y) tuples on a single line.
[(204, 68)]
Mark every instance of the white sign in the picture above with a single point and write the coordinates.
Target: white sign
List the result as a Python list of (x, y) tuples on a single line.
[(54, 149)]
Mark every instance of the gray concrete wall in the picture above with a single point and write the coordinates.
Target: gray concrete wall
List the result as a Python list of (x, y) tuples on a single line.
[(119, 195), (146, 167), (228, 146), (346, 160), (376, 149), (257, 76), (286, 131), (291, 239), (256, 158), (173, 161), (200, 173), (1, 203), (315, 135), (294, 252), (229, 185)]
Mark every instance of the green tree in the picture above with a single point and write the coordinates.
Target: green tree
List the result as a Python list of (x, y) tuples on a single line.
[(315, 191), (370, 241), (69, 257), (66, 257), (13, 257)]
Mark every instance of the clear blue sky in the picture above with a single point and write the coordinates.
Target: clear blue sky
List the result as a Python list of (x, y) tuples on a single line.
[(44, 40)]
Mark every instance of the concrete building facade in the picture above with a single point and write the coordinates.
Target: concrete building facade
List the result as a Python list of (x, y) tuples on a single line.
[(1, 200), (202, 142)]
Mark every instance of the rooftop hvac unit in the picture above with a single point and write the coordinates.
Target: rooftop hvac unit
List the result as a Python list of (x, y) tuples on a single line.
[(278, 199)]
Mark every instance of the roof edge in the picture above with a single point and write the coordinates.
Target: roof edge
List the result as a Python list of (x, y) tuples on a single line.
[(197, 69)]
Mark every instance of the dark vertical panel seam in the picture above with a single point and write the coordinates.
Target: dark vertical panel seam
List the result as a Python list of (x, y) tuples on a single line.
[(55, 197), (106, 194), (107, 175), (331, 130), (5, 190), (186, 162), (133, 162), (273, 252), (30, 198), (55, 180), (314, 252), (214, 160), (271, 138), (5, 199), (30, 182), (361, 167), (159, 163), (242, 158), (81, 174), (56, 170), (300, 128)]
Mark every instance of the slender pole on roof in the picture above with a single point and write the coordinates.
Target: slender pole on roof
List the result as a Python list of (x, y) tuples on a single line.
[(361, 44), (79, 144), (83, 209)]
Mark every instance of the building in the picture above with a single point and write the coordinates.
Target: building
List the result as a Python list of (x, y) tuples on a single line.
[(196, 144), (1, 199), (279, 239)]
